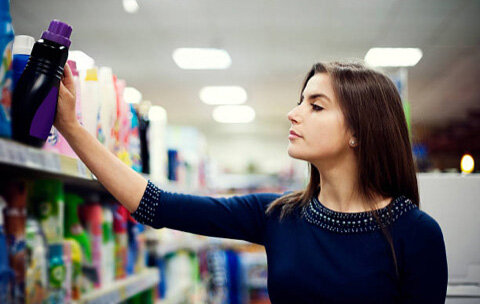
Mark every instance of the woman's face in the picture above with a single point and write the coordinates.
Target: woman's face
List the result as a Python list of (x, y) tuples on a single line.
[(319, 122)]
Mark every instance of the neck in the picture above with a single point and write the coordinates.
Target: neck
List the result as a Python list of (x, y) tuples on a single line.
[(339, 186)]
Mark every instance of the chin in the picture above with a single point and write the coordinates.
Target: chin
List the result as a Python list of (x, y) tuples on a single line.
[(294, 153)]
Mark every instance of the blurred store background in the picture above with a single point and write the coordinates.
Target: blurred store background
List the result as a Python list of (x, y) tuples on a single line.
[(201, 91)]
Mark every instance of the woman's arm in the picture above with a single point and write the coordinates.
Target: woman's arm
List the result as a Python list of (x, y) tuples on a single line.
[(237, 217), (126, 185)]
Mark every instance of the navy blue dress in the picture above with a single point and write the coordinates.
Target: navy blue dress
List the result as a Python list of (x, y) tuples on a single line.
[(317, 255)]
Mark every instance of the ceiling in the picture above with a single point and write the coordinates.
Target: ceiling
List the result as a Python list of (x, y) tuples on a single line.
[(272, 44)]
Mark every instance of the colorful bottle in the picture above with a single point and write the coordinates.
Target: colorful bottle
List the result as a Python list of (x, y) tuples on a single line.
[(56, 274), (91, 101), (76, 275), (73, 227), (22, 48), (93, 218), (120, 216), (67, 260), (134, 141), (124, 124), (108, 105), (47, 204), (35, 97), (108, 254), (6, 40), (15, 220), (36, 276)]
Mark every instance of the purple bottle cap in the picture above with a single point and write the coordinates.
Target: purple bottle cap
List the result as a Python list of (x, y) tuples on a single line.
[(58, 32)]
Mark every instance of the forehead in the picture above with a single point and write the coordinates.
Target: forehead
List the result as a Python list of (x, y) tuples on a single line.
[(319, 84)]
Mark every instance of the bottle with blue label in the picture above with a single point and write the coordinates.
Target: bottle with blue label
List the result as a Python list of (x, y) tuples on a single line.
[(22, 47), (56, 274), (34, 101), (6, 41)]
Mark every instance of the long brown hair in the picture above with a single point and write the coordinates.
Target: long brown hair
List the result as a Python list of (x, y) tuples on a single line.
[(373, 111)]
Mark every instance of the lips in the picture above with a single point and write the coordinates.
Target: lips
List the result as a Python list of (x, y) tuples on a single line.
[(294, 134)]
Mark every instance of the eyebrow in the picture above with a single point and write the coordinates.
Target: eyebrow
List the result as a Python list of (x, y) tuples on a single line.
[(316, 96)]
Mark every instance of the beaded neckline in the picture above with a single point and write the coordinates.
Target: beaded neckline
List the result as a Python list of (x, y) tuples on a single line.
[(317, 214)]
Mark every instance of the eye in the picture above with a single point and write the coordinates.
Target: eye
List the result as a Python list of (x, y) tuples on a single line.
[(316, 107)]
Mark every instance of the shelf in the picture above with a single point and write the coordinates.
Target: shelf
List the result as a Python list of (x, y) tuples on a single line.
[(123, 289), (19, 160)]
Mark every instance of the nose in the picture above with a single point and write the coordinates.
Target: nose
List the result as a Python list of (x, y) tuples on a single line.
[(293, 116)]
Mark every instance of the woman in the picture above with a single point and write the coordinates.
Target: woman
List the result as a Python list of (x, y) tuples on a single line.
[(354, 235)]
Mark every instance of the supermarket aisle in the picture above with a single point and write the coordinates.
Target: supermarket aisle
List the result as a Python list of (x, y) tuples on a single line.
[(194, 96)]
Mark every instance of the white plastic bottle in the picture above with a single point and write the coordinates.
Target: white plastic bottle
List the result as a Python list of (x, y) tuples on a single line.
[(90, 101), (108, 252), (108, 105)]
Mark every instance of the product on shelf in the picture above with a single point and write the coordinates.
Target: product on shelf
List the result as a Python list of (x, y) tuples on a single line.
[(134, 141), (22, 47), (56, 274), (140, 260), (136, 246), (90, 101), (92, 216), (123, 124), (6, 39), (108, 253), (35, 97), (36, 276), (53, 141), (73, 226), (15, 214), (120, 216), (5, 272), (157, 133), (67, 259), (172, 164), (108, 105), (76, 269), (47, 204)]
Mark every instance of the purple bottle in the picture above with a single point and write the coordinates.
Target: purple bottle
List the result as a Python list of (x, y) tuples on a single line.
[(34, 100)]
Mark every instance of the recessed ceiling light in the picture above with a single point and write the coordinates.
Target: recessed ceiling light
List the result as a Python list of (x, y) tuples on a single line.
[(132, 95), (201, 59), (130, 6), (216, 95), (233, 114), (82, 60), (393, 57)]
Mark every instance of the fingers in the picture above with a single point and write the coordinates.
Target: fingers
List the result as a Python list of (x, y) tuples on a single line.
[(65, 93), (68, 79)]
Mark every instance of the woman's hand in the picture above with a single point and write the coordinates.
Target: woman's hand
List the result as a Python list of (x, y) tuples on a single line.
[(66, 117)]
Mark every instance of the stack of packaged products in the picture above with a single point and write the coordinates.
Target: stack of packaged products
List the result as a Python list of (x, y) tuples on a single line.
[(62, 245)]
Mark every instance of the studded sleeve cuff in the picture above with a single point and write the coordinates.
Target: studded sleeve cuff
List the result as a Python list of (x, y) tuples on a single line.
[(148, 211)]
